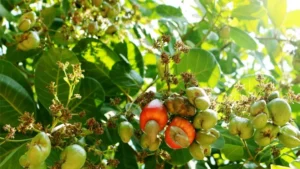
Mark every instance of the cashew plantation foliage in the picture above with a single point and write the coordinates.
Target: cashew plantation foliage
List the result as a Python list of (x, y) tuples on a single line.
[(103, 84)]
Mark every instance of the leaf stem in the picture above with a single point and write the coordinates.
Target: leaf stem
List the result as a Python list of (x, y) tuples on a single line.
[(247, 148), (14, 141)]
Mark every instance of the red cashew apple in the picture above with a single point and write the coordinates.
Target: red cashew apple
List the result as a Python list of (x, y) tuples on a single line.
[(153, 119), (180, 133)]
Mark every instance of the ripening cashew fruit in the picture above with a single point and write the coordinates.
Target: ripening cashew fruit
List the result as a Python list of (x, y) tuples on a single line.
[(258, 107), (205, 119), (27, 21), (260, 120), (198, 151), (289, 136), (207, 137), (29, 40), (225, 32), (265, 135), (273, 95), (198, 97), (180, 133), (179, 105), (153, 119), (145, 143), (93, 28), (125, 131), (73, 157), (280, 111), (39, 150), (241, 126)]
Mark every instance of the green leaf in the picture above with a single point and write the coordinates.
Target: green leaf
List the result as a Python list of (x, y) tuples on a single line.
[(292, 19), (249, 12), (150, 162), (233, 152), (110, 136), (278, 167), (14, 101), (126, 78), (132, 54), (48, 15), (126, 156), (202, 64), (231, 166), (168, 11), (15, 55), (178, 157), (6, 14), (201, 165), (47, 71), (9, 158), (90, 89), (8, 69), (295, 164), (277, 11), (242, 38)]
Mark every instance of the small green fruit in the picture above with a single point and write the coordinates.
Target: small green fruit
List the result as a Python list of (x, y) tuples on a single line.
[(74, 157), (112, 29), (207, 137), (206, 119), (258, 107), (265, 135), (23, 160), (260, 120), (93, 28), (241, 126), (202, 102), (198, 151), (27, 21), (289, 136), (145, 143), (273, 95), (125, 131), (280, 111), (24, 25), (31, 40), (225, 32), (193, 92)]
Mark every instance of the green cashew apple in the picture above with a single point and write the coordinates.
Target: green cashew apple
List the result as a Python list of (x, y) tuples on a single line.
[(23, 160), (198, 151), (145, 143), (207, 137), (193, 92), (112, 29), (260, 120), (289, 136), (125, 131), (40, 148), (30, 40), (73, 157), (259, 107), (241, 126), (225, 32), (273, 95), (114, 11), (202, 102), (27, 21), (265, 135), (280, 111), (206, 119)]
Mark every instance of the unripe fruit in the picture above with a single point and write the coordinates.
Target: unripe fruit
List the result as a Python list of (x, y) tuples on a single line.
[(114, 11), (40, 148), (241, 126), (111, 30), (23, 160), (30, 40), (180, 133), (273, 95), (179, 105), (265, 135), (258, 107), (289, 136), (193, 92), (74, 157), (145, 143), (202, 102), (35, 155), (225, 32), (280, 111), (125, 131), (198, 151), (27, 21), (93, 28), (207, 137), (206, 119), (260, 120), (40, 166)]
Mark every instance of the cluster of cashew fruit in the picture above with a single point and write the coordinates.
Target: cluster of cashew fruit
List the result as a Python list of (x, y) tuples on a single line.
[(28, 39), (269, 120), (185, 120), (72, 157)]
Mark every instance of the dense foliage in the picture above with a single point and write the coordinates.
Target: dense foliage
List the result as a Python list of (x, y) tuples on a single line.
[(133, 84)]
